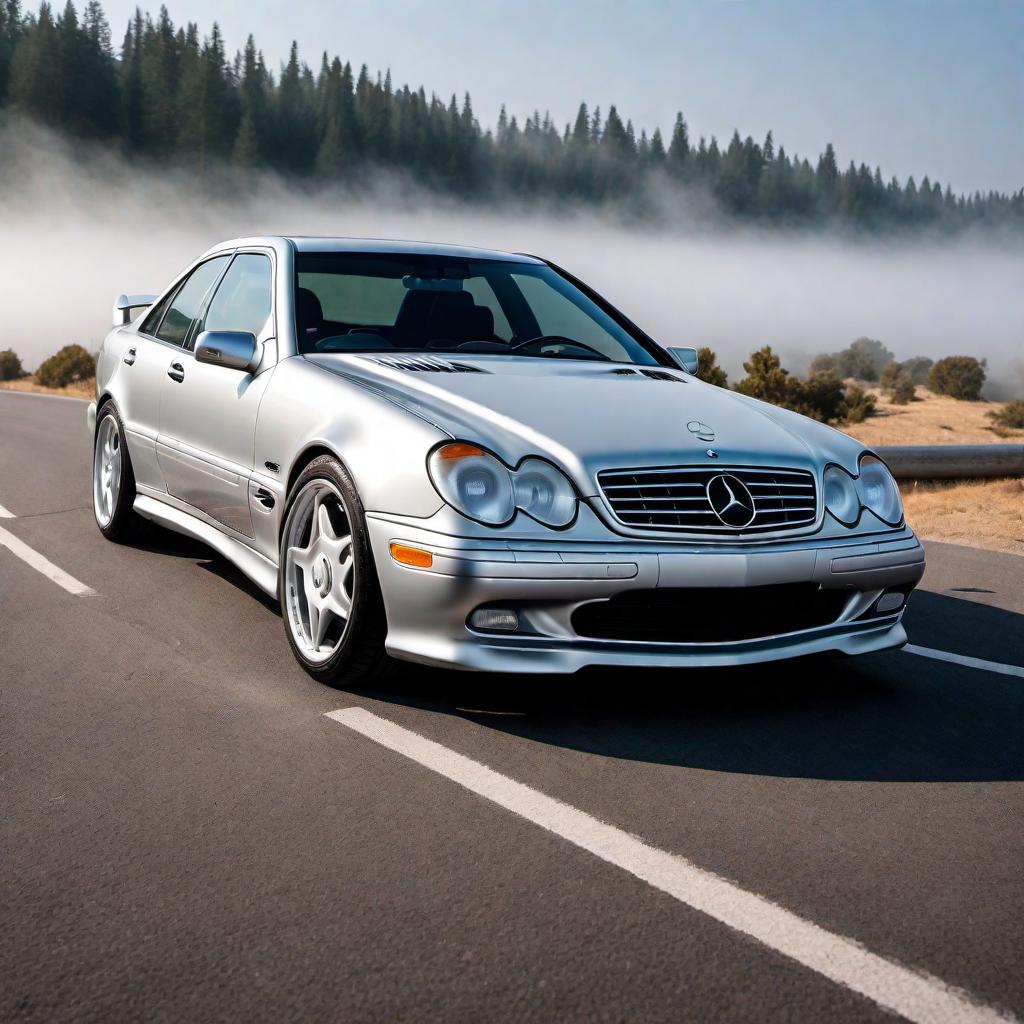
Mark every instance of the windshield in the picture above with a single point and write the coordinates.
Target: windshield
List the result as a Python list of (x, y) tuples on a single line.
[(355, 302)]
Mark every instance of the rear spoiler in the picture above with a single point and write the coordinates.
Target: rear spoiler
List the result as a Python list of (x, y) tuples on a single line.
[(125, 304)]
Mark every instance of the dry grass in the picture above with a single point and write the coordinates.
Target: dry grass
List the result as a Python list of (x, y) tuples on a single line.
[(80, 389), (932, 419), (977, 513)]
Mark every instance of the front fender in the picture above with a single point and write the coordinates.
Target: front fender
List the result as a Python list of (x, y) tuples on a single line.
[(382, 445)]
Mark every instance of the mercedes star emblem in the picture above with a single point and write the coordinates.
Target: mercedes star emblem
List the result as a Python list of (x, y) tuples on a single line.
[(702, 430), (731, 501)]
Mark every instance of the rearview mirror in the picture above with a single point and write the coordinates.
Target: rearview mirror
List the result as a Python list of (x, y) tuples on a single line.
[(684, 358), (233, 349)]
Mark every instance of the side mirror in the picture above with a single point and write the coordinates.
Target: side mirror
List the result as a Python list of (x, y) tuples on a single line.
[(124, 305), (233, 349), (684, 358)]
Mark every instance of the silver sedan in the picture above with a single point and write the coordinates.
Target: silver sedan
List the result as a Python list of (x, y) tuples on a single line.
[(468, 458)]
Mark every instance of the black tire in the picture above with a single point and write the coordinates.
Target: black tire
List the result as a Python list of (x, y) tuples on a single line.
[(360, 653), (123, 522)]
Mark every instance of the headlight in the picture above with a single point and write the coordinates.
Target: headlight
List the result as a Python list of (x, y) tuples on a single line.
[(473, 482), (480, 486), (841, 497), (543, 492), (878, 490)]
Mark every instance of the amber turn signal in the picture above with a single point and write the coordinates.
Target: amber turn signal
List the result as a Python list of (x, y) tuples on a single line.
[(417, 557), (458, 450)]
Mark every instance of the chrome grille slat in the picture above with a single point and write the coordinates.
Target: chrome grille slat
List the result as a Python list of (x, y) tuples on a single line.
[(674, 498)]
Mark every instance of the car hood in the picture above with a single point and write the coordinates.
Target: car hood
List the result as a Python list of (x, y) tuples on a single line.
[(590, 416)]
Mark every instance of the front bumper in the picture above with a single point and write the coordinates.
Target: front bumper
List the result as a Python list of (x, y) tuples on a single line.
[(428, 609)]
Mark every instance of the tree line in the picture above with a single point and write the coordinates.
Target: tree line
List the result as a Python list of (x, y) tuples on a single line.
[(173, 95)]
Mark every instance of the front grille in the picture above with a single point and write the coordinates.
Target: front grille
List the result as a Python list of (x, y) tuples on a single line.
[(709, 614), (676, 498)]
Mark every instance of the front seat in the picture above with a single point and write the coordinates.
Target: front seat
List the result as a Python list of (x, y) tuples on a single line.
[(309, 316), (427, 316)]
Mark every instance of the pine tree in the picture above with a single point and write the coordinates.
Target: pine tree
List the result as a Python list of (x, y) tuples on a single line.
[(679, 148)]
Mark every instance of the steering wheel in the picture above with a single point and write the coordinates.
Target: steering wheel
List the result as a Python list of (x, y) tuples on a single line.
[(555, 339)]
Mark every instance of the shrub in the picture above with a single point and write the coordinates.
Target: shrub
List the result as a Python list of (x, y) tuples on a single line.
[(899, 386), (822, 396), (767, 380), (10, 365), (71, 363), (709, 370), (1011, 415), (959, 377), (903, 391), (863, 360), (858, 405), (917, 369)]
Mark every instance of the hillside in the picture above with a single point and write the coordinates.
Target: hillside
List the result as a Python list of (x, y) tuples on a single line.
[(981, 513), (933, 419)]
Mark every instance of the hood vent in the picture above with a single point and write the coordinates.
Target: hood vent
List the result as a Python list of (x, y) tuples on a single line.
[(428, 364), (662, 375), (624, 371)]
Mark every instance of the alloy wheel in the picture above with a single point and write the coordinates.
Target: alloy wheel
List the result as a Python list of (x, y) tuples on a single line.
[(319, 570)]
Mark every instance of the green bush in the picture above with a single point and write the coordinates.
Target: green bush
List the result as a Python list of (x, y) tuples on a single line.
[(71, 363), (903, 391), (917, 369), (709, 370), (899, 386), (1011, 415), (858, 405), (863, 360), (10, 365), (822, 396), (959, 377)]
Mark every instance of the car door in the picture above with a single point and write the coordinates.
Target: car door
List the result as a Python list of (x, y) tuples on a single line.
[(208, 412), (158, 342)]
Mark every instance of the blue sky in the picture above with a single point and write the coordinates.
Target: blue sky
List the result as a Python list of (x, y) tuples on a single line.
[(918, 86)]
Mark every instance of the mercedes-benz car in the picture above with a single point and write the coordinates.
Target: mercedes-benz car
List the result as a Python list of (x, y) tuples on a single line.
[(468, 458)]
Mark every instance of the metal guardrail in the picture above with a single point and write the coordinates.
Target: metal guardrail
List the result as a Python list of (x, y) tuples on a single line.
[(953, 461)]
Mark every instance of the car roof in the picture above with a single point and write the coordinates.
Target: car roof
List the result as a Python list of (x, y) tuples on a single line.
[(312, 243)]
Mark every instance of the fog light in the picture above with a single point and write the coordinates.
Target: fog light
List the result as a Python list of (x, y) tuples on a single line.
[(494, 618), (889, 602), (416, 557)]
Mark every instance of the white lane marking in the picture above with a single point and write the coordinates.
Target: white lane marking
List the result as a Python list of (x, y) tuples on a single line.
[(40, 394), (42, 564), (913, 995), (6, 513), (963, 659)]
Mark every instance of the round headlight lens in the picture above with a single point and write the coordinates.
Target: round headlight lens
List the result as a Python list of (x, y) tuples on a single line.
[(841, 495), (473, 482), (878, 490), (543, 492)]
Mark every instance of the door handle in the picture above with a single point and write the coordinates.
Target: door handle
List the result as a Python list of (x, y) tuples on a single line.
[(176, 372), (129, 358)]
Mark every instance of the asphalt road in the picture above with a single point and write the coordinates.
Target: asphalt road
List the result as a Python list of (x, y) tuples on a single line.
[(186, 836)]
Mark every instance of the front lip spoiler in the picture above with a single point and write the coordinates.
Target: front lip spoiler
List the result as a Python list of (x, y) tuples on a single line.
[(763, 643), (90, 418)]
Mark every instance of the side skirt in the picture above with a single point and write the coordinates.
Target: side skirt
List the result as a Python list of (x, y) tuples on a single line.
[(260, 570)]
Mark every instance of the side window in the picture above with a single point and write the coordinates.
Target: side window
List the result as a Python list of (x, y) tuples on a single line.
[(244, 297), (152, 322), (188, 301)]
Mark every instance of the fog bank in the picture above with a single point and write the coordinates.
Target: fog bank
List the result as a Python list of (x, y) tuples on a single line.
[(79, 228)]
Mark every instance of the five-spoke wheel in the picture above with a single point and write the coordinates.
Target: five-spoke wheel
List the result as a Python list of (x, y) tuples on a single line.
[(330, 598), (319, 569), (113, 482)]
